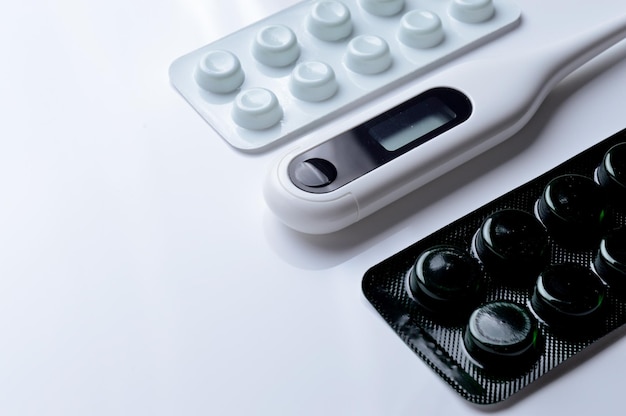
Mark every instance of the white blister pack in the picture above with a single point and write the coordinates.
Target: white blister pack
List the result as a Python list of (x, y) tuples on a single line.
[(306, 64)]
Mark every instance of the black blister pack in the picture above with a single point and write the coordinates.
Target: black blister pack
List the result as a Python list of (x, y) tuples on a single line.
[(505, 294)]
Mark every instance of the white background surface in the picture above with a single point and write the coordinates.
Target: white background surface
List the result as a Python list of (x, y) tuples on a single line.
[(142, 274)]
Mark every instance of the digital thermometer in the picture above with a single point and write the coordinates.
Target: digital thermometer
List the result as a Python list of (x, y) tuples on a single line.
[(461, 113)]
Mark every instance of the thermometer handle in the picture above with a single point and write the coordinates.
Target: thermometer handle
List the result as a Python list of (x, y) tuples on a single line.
[(504, 95), (562, 58)]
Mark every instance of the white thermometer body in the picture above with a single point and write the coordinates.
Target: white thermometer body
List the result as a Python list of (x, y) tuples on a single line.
[(462, 113)]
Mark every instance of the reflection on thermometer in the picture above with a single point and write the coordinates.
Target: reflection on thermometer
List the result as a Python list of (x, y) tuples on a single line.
[(461, 114)]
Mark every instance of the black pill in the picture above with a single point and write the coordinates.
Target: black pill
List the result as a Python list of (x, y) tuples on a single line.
[(512, 243), (610, 260), (445, 278), (572, 207), (611, 173), (569, 297), (502, 334)]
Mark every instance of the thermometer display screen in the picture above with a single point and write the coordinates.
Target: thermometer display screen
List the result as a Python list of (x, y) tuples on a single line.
[(402, 129), (413, 122)]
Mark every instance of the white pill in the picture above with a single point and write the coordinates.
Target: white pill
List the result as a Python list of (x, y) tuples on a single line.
[(382, 7), (329, 21), (256, 109), (276, 46), (219, 72), (368, 55), (472, 11), (420, 29), (313, 81)]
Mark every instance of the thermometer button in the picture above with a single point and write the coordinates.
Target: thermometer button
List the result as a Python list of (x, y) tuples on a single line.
[(315, 173)]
